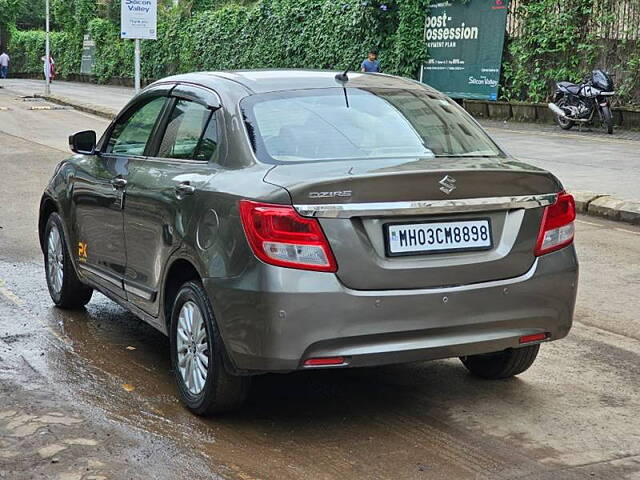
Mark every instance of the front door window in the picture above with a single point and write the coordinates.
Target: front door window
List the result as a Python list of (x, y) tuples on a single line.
[(132, 132)]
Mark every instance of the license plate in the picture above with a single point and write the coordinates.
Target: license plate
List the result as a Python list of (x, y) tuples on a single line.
[(437, 237)]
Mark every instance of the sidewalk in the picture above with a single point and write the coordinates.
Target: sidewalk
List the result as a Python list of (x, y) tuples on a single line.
[(100, 96), (603, 171)]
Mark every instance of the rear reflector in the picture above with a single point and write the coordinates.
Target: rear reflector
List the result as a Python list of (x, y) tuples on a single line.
[(280, 236), (319, 362), (536, 337), (556, 228)]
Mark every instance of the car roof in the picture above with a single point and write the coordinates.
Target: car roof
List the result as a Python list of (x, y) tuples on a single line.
[(263, 81)]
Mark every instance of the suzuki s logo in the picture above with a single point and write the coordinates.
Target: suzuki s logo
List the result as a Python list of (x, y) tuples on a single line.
[(448, 184)]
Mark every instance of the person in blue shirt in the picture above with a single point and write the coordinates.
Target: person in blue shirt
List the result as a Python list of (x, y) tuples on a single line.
[(371, 64)]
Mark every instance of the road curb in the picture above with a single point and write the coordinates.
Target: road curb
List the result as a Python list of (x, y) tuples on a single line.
[(616, 209), (83, 107), (607, 206), (588, 203), (583, 199)]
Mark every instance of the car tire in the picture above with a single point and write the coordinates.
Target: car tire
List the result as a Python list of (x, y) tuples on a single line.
[(204, 386), (501, 364), (65, 289)]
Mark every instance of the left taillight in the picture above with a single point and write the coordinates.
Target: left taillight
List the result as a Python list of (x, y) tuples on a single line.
[(280, 236), (557, 227)]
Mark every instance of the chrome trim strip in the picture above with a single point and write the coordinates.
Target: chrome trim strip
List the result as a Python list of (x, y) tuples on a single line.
[(427, 207), (103, 275), (141, 292)]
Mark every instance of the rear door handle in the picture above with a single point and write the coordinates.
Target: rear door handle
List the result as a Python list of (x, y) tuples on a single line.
[(119, 182), (183, 189)]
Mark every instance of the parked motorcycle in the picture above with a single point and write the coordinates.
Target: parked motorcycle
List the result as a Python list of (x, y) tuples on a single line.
[(577, 103)]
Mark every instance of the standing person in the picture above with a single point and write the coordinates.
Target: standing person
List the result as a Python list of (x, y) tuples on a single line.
[(4, 65), (49, 66), (371, 64)]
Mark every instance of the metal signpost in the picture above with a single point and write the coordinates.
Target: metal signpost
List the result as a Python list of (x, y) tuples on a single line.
[(465, 42), (138, 22), (47, 55)]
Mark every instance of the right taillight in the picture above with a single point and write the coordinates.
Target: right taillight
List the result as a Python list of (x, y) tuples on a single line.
[(557, 228)]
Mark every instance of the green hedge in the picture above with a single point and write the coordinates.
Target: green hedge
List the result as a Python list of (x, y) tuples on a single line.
[(264, 34), (565, 41), (114, 57), (554, 44), (284, 34), (27, 49)]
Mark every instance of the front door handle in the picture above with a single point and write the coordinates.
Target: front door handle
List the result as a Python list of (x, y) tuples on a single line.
[(183, 189), (119, 182)]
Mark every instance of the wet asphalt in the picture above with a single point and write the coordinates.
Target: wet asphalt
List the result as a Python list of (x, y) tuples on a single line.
[(90, 394)]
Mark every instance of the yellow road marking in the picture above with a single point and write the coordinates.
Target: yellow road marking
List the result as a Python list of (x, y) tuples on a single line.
[(627, 231), (9, 295), (590, 223), (17, 301)]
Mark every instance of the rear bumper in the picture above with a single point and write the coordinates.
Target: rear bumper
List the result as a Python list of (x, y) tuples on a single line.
[(273, 319)]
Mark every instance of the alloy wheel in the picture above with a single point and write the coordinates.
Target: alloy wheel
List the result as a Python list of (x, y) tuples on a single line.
[(55, 260), (192, 347)]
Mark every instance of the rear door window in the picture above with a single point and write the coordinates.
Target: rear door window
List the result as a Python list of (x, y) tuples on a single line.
[(132, 131), (191, 133)]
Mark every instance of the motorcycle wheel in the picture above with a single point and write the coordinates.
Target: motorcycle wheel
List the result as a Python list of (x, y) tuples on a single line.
[(564, 123), (607, 119)]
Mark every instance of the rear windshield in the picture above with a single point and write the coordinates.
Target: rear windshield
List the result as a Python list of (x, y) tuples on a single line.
[(357, 123)]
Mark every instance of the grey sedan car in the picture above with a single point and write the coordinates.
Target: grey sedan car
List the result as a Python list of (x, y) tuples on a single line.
[(273, 221)]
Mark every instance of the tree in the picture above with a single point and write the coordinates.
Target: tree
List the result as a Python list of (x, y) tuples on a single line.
[(8, 13), (9, 10)]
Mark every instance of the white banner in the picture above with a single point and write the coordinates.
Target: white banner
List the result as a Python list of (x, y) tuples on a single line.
[(139, 19)]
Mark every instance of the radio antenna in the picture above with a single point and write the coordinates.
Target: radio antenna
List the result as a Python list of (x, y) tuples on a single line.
[(343, 77)]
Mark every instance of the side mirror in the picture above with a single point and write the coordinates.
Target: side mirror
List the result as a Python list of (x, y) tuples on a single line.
[(83, 142)]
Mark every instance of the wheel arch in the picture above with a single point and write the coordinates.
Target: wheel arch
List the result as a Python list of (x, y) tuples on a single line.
[(47, 207), (179, 271)]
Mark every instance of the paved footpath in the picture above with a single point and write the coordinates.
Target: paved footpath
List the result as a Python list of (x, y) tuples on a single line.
[(602, 170), (103, 96)]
